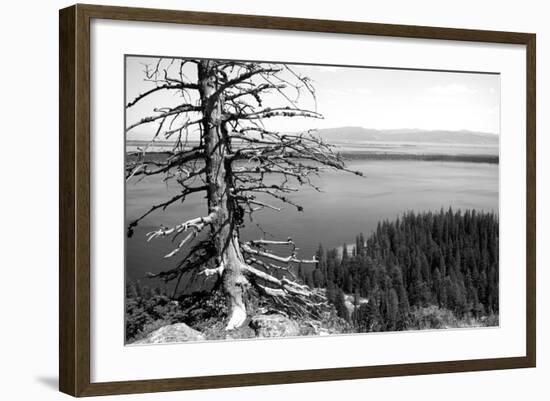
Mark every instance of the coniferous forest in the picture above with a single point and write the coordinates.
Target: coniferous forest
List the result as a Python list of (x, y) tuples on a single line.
[(427, 270)]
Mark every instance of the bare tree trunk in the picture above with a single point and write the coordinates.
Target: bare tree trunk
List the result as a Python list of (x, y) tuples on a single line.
[(219, 179)]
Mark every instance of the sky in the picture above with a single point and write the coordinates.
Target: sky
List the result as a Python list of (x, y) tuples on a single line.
[(376, 98)]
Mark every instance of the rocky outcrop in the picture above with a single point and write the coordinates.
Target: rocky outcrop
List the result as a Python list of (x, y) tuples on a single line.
[(259, 326), (274, 326), (174, 333)]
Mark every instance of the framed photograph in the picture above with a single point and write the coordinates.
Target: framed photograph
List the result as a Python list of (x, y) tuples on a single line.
[(250, 200)]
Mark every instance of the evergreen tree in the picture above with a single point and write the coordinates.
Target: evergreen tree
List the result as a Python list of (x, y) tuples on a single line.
[(448, 259)]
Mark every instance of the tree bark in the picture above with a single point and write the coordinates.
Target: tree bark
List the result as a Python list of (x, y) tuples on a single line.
[(219, 180)]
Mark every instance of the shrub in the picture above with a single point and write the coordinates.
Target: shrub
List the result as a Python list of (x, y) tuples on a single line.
[(148, 310)]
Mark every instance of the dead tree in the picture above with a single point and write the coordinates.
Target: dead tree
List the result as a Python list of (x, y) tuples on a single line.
[(231, 160)]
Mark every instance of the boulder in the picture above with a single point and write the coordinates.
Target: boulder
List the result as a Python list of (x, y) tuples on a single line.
[(274, 326), (174, 333)]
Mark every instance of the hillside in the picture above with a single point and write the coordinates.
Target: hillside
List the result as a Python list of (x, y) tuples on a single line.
[(361, 135), (426, 270)]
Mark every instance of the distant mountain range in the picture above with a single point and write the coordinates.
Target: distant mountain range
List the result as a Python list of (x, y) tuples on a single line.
[(358, 135), (361, 135)]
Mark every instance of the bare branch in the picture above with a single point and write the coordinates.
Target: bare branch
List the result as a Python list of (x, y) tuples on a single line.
[(275, 112), (215, 270), (184, 108), (175, 160), (196, 224), (181, 196), (168, 86), (288, 259), (243, 77)]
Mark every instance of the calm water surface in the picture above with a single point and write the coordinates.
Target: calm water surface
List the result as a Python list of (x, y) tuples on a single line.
[(347, 206)]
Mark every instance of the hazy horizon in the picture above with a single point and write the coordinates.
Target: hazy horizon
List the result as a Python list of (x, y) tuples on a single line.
[(366, 97)]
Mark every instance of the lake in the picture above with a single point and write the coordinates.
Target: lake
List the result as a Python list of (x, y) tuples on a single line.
[(347, 205)]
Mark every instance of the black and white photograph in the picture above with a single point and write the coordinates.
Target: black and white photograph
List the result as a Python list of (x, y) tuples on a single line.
[(266, 199)]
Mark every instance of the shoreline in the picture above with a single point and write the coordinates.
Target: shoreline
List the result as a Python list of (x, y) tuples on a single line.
[(381, 156)]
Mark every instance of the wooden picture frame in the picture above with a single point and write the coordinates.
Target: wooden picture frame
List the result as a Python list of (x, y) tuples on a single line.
[(74, 203)]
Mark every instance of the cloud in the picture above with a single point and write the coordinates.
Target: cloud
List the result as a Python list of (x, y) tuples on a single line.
[(451, 89), (348, 91)]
